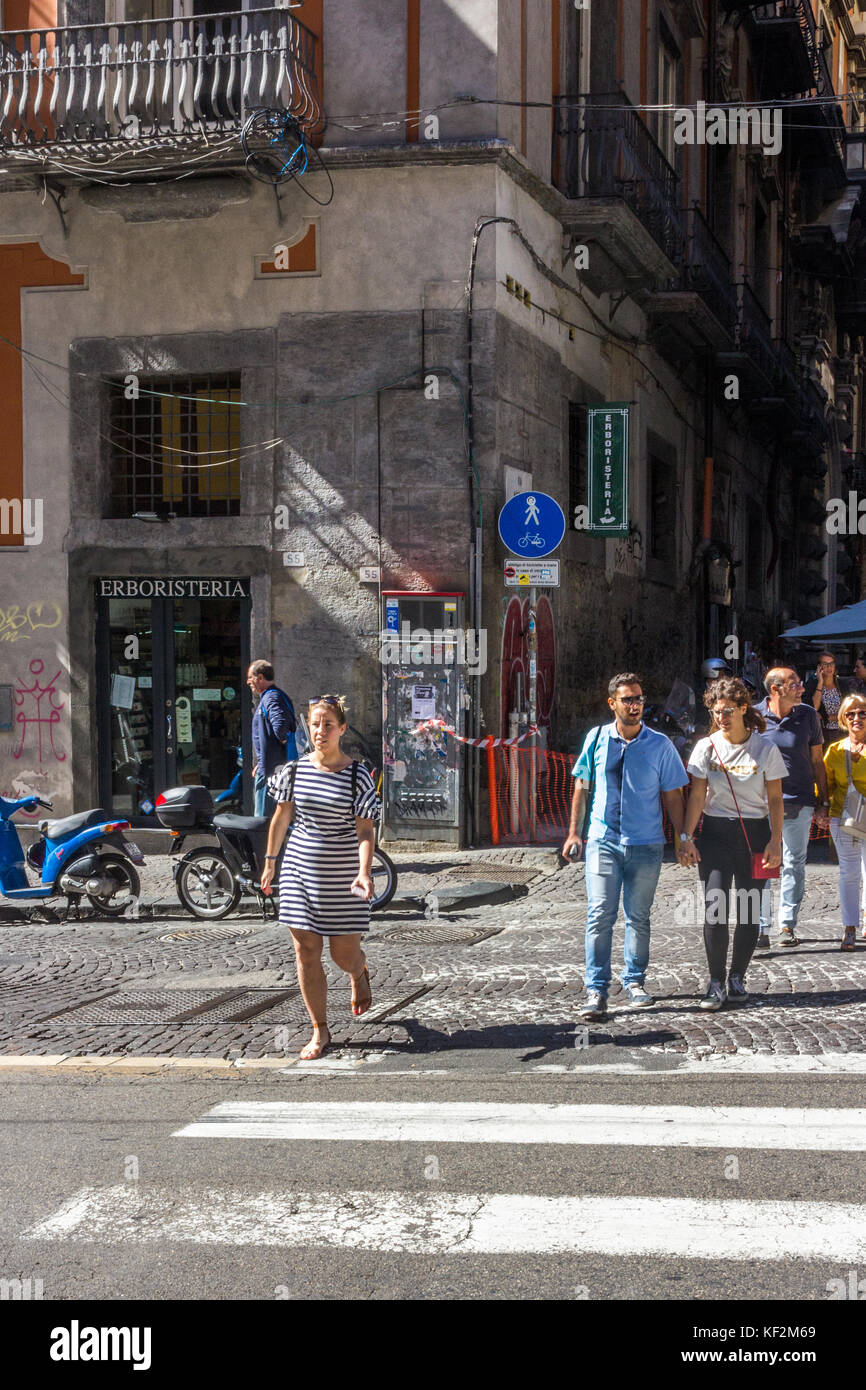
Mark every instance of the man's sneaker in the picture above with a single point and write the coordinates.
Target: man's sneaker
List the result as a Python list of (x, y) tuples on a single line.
[(595, 1006), (737, 989), (787, 937), (715, 996), (763, 942), (638, 997)]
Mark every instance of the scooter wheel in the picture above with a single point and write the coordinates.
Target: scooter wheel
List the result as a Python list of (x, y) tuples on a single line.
[(127, 890), (206, 885)]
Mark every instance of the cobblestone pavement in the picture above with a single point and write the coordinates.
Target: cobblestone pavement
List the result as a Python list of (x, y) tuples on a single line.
[(499, 977)]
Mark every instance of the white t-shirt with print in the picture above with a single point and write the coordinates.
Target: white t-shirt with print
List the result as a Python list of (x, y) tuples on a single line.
[(749, 766)]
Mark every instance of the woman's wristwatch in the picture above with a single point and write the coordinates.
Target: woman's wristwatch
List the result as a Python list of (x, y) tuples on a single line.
[(684, 838), (272, 856)]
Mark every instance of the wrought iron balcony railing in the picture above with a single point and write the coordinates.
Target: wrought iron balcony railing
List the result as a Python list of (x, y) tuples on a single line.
[(754, 335), (162, 77), (800, 11), (604, 150), (707, 270)]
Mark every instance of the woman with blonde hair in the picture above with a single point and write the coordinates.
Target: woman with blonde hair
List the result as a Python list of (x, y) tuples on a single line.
[(846, 780), (737, 787), (325, 884)]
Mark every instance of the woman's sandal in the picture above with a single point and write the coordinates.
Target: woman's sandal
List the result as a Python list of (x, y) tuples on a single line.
[(313, 1051), (849, 940), (360, 1006)]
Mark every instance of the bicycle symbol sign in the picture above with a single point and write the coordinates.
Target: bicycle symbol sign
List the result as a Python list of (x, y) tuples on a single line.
[(532, 523)]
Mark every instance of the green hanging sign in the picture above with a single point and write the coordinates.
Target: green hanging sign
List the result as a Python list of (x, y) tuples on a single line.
[(607, 469)]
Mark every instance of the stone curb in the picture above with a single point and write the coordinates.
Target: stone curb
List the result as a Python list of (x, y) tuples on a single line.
[(120, 1062)]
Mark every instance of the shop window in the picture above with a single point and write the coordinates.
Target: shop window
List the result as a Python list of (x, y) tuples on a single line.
[(175, 447)]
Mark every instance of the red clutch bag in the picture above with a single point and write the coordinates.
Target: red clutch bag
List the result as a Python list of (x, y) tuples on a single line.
[(758, 870)]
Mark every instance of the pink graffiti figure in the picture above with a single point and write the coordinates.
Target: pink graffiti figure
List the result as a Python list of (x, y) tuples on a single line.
[(49, 716)]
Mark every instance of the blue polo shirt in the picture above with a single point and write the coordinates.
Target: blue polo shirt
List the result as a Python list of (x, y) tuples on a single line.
[(629, 779), (795, 735)]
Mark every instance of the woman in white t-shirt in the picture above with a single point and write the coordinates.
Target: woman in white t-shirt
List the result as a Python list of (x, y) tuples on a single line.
[(736, 774)]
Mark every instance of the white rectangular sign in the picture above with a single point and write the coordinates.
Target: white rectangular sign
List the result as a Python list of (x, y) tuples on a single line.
[(520, 574), (370, 574)]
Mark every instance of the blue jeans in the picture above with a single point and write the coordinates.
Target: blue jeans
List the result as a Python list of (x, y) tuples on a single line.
[(264, 805), (632, 870), (792, 880)]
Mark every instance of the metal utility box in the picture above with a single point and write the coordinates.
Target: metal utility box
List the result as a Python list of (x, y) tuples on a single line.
[(423, 677)]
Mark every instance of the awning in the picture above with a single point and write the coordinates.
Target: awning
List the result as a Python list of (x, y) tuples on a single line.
[(845, 625), (837, 213)]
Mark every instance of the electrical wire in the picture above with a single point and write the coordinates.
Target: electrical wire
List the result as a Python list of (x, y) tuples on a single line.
[(254, 449)]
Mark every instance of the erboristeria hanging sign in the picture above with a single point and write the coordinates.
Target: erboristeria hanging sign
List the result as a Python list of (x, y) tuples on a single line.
[(607, 469)]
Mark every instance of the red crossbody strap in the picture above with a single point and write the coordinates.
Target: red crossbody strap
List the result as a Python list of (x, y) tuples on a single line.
[(733, 793)]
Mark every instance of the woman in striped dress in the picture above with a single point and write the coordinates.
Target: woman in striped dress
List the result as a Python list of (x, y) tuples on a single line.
[(325, 884)]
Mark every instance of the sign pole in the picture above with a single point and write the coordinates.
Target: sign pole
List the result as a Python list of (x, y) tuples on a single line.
[(533, 709)]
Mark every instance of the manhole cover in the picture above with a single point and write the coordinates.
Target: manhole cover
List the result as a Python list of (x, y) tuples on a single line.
[(497, 873), (196, 1006), (434, 933), (177, 1006), (214, 933)]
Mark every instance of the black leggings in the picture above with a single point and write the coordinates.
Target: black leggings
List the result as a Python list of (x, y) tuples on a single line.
[(725, 857)]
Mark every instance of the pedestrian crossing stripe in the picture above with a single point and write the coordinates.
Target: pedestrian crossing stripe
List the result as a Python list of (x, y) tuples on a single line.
[(462, 1223), (470, 1122)]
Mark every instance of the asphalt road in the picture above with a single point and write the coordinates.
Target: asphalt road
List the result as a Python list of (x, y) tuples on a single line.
[(178, 1217)]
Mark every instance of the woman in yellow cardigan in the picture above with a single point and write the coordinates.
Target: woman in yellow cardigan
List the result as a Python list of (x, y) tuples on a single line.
[(851, 849)]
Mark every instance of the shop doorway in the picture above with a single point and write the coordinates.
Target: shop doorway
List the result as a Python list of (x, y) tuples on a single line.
[(173, 706)]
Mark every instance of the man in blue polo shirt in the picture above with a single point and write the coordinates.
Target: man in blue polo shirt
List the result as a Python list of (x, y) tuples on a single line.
[(629, 768), (796, 731)]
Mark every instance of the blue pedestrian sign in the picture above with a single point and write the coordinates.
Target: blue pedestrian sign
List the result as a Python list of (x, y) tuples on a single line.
[(532, 524)]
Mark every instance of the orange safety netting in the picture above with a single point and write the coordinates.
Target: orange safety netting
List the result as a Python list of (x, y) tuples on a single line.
[(516, 818)]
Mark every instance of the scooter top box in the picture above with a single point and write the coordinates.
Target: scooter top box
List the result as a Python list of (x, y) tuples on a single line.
[(185, 808)]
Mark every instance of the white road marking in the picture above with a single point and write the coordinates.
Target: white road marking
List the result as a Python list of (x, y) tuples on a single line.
[(756, 1064), (467, 1122), (464, 1223)]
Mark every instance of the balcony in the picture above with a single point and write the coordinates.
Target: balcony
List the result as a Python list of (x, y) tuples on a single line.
[(786, 48), (699, 309), (624, 193), (94, 88), (765, 367), (789, 55)]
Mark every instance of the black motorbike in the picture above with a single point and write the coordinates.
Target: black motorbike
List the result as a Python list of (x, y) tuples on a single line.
[(210, 881)]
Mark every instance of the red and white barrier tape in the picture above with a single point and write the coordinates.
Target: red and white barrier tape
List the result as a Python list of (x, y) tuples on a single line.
[(488, 742)]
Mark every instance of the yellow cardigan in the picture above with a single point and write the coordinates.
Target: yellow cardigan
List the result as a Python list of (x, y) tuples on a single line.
[(837, 775)]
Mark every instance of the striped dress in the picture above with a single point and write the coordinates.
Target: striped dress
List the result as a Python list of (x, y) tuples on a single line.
[(321, 859)]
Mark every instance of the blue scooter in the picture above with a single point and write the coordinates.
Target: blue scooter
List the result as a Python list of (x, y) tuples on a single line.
[(84, 855)]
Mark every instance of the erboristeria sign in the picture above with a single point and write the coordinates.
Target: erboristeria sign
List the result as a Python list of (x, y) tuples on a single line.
[(146, 587)]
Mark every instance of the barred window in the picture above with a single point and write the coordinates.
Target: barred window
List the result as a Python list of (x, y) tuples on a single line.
[(175, 446), (755, 555), (662, 509), (577, 464)]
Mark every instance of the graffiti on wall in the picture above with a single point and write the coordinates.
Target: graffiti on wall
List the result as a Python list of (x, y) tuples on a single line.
[(43, 717), (17, 623)]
